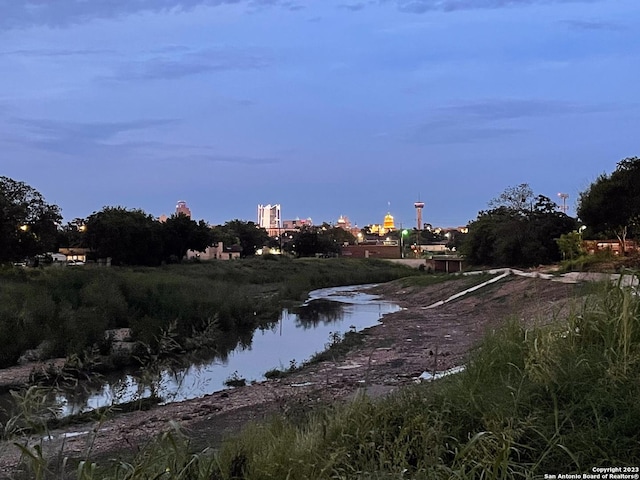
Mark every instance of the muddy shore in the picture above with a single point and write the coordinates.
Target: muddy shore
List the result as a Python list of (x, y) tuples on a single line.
[(393, 354)]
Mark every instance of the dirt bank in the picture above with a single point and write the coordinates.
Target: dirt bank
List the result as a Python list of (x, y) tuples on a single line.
[(393, 354)]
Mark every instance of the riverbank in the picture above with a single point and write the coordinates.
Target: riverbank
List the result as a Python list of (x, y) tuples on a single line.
[(390, 356)]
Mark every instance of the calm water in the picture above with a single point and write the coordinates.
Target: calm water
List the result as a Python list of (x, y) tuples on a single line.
[(296, 337)]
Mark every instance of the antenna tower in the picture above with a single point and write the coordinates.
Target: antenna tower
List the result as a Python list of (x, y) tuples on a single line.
[(564, 208)]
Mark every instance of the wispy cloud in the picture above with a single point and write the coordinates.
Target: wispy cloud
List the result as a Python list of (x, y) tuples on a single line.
[(352, 7), (118, 142), (186, 63), (592, 25), (230, 159), (55, 52), (27, 13), (504, 109), (489, 119), (88, 130), (75, 138), (424, 6)]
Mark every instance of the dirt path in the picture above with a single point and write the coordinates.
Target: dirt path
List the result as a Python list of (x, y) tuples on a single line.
[(393, 354)]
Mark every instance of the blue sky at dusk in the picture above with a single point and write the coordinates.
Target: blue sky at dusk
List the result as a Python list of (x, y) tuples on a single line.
[(327, 107)]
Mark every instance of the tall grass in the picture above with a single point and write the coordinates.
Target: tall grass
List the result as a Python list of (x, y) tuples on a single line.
[(64, 311), (558, 399)]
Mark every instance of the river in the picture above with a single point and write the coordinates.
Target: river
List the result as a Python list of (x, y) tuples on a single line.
[(326, 315)]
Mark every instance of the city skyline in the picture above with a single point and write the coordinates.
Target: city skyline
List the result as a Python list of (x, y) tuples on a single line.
[(329, 108)]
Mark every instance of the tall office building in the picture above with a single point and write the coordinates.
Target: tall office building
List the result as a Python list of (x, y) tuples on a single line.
[(269, 218)]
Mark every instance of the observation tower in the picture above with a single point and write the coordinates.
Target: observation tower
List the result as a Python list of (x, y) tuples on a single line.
[(419, 206)]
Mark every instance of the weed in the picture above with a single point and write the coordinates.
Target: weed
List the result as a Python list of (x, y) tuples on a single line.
[(235, 380)]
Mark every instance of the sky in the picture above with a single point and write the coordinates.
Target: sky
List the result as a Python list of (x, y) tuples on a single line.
[(329, 108)]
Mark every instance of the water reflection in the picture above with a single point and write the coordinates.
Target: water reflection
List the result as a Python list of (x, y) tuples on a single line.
[(319, 310), (294, 339)]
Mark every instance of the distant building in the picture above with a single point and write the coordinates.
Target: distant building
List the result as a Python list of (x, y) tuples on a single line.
[(344, 223), (269, 218), (296, 224), (181, 208), (216, 252), (388, 224)]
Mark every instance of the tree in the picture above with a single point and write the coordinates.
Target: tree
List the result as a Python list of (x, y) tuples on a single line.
[(520, 231), (72, 234), (518, 198), (611, 204), (129, 237), (28, 224), (570, 245), (180, 234), (248, 235), (319, 240)]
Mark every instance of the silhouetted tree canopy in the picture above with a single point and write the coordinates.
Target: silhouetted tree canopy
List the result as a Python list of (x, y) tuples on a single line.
[(520, 231), (611, 204), (181, 234), (28, 224), (248, 235), (320, 240), (129, 237)]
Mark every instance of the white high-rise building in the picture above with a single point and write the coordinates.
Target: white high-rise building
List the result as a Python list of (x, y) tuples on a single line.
[(269, 218)]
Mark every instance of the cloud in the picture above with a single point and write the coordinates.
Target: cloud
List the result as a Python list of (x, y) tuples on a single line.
[(30, 13), (54, 52), (433, 133), (117, 143), (592, 25), (228, 159), (424, 6), (183, 64), (504, 109), (353, 7), (89, 130), (74, 138), (489, 119)]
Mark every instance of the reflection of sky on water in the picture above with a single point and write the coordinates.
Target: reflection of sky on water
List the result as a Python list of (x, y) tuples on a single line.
[(292, 338)]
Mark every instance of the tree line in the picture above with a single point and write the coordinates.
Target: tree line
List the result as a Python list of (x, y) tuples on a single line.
[(29, 226), (518, 229)]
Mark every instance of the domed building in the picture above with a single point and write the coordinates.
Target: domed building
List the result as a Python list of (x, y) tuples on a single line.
[(388, 224)]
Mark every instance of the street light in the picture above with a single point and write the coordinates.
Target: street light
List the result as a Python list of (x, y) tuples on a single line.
[(402, 234)]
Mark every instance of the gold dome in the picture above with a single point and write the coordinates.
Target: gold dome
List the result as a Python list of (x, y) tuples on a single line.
[(388, 222)]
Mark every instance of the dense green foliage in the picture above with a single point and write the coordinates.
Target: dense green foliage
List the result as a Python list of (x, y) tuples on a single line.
[(611, 204), (28, 225), (69, 309), (131, 237), (519, 231)]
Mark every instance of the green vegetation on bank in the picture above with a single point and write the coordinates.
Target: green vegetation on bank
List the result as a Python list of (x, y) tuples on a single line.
[(558, 399), (555, 399), (66, 311)]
